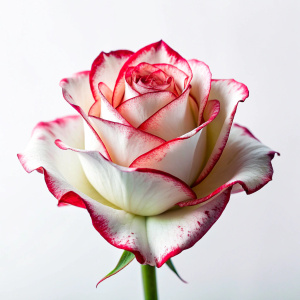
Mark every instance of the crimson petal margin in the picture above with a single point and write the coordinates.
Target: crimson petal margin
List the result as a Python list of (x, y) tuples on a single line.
[(102, 107), (129, 92), (201, 84), (95, 109), (137, 110), (156, 239), (245, 164), (173, 120), (63, 172), (66, 180), (124, 143), (181, 79), (183, 156), (76, 91), (106, 68), (78, 87), (144, 69), (107, 111), (156, 53), (152, 239), (229, 92)]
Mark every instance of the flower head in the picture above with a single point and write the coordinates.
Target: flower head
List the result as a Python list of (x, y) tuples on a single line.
[(153, 154)]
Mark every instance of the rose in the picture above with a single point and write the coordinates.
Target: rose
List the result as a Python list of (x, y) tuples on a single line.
[(157, 156)]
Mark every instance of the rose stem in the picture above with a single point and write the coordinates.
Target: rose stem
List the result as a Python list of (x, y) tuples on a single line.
[(149, 282)]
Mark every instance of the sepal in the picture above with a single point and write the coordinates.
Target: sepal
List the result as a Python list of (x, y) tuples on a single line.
[(169, 263), (126, 258)]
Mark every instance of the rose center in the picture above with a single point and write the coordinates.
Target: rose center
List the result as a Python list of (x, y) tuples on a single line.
[(154, 80), (145, 78)]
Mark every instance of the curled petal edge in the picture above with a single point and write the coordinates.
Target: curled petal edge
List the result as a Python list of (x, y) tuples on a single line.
[(267, 177), (221, 141), (67, 96)]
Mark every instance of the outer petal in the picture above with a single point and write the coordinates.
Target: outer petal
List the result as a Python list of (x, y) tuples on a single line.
[(182, 157), (78, 87), (120, 228), (155, 239), (76, 91), (152, 240), (63, 172), (229, 92), (106, 68), (124, 143), (173, 120), (139, 191), (137, 110), (245, 164), (66, 180), (200, 84), (157, 53)]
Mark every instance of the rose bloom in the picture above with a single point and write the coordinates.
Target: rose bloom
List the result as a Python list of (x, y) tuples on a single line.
[(153, 154)]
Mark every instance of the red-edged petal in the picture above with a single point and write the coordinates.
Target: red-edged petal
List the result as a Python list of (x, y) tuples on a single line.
[(76, 91), (144, 88), (106, 92), (77, 88), (180, 229), (129, 92), (182, 157), (173, 120), (66, 180), (63, 172), (156, 53), (229, 92), (143, 192), (139, 109), (103, 108), (106, 68), (124, 143), (244, 164), (152, 239), (200, 84), (156, 239), (181, 79), (145, 78)]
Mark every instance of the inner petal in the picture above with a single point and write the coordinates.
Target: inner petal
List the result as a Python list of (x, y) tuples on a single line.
[(137, 110), (157, 80), (145, 78), (156, 53), (180, 78)]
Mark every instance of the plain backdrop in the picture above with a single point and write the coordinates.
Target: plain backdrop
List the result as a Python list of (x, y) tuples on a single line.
[(252, 252)]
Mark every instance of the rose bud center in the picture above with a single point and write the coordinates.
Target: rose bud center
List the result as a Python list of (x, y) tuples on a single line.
[(145, 78)]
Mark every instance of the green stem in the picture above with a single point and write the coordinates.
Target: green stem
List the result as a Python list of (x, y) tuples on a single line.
[(149, 282)]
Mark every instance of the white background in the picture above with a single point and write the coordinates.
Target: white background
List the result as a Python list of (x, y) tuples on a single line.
[(253, 250)]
